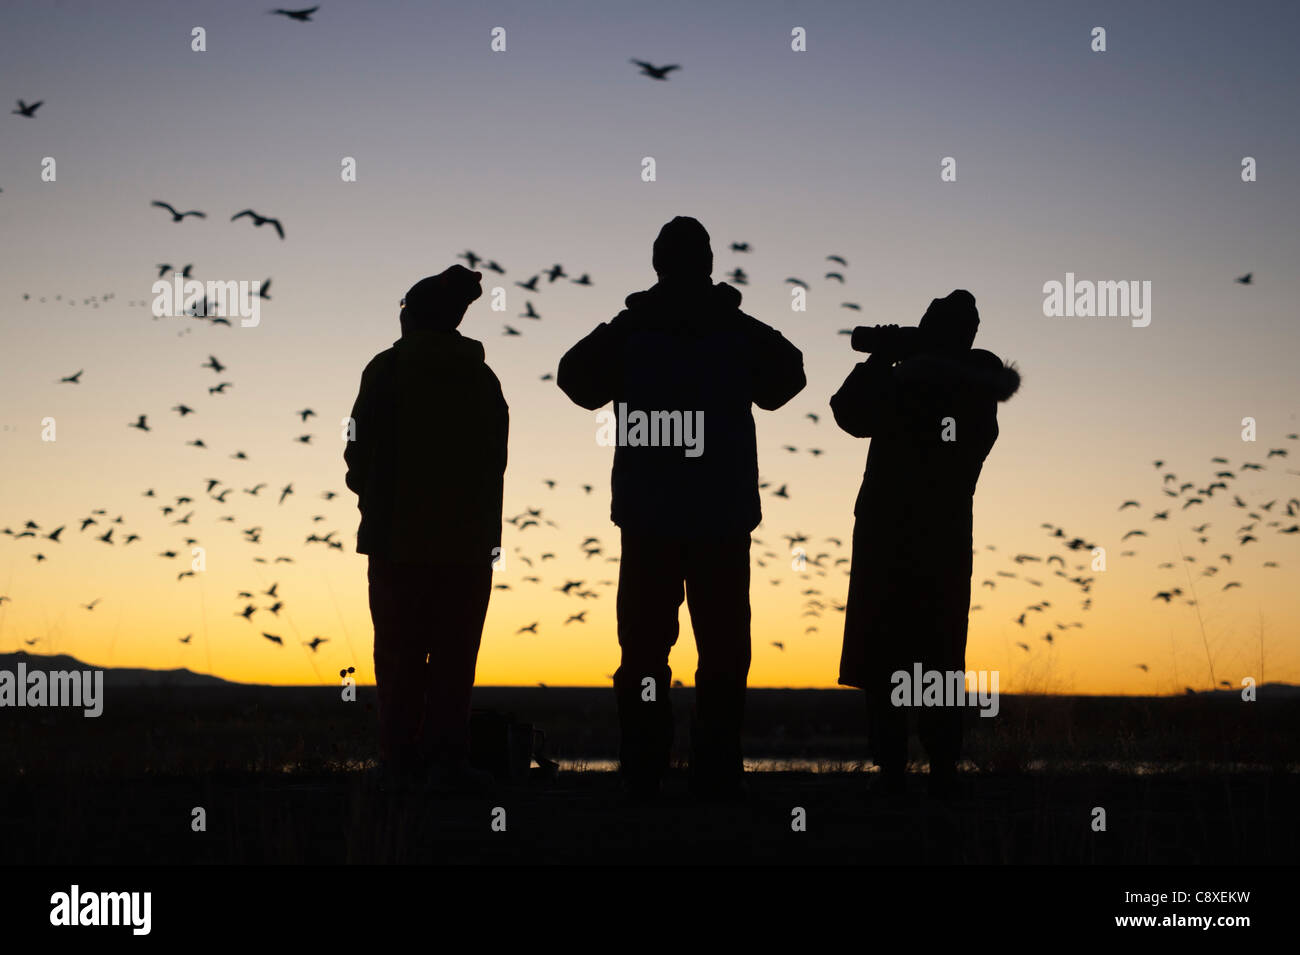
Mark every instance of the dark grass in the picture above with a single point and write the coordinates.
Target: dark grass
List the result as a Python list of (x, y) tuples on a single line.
[(280, 772)]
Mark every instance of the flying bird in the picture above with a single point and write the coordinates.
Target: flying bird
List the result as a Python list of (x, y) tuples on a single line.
[(302, 16), (178, 216), (259, 220), (26, 110), (654, 72)]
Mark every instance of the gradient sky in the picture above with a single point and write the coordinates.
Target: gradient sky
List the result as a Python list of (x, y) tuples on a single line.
[(1115, 165)]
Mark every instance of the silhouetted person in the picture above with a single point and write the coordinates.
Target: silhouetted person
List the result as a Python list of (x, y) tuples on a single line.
[(427, 463), (932, 419), (685, 510)]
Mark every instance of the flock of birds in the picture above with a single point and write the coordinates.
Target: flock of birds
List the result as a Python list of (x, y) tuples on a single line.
[(1178, 496)]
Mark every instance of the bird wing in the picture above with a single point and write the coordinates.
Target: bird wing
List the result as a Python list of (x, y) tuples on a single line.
[(246, 212), (164, 205)]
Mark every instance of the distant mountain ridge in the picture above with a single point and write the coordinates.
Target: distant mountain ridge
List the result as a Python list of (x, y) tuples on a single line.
[(113, 676)]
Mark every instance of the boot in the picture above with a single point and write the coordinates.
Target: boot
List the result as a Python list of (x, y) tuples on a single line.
[(646, 731), (717, 766)]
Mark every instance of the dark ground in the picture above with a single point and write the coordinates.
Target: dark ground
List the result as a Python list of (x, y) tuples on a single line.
[(280, 773)]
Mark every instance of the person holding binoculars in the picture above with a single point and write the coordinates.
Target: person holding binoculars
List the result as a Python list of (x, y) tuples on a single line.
[(928, 401)]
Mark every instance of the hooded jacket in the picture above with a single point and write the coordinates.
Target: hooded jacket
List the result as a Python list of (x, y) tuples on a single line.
[(932, 421), (428, 459), (686, 347)]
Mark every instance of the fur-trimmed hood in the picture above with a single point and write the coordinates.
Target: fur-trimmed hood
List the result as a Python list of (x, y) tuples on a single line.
[(977, 368)]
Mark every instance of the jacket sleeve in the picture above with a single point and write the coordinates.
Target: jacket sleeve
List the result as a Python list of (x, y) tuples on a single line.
[(589, 371), (357, 452), (866, 403), (777, 370)]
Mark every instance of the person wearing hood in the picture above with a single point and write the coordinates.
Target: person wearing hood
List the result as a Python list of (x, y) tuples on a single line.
[(426, 457), (685, 496), (932, 420)]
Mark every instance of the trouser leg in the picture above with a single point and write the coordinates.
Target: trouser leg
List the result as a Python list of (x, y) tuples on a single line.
[(649, 597), (399, 663), (717, 592), (460, 597)]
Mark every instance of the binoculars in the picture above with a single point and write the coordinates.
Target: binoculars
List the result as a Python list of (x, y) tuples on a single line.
[(897, 342)]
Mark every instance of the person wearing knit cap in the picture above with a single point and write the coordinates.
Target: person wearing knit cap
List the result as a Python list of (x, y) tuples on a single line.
[(683, 351), (426, 457)]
